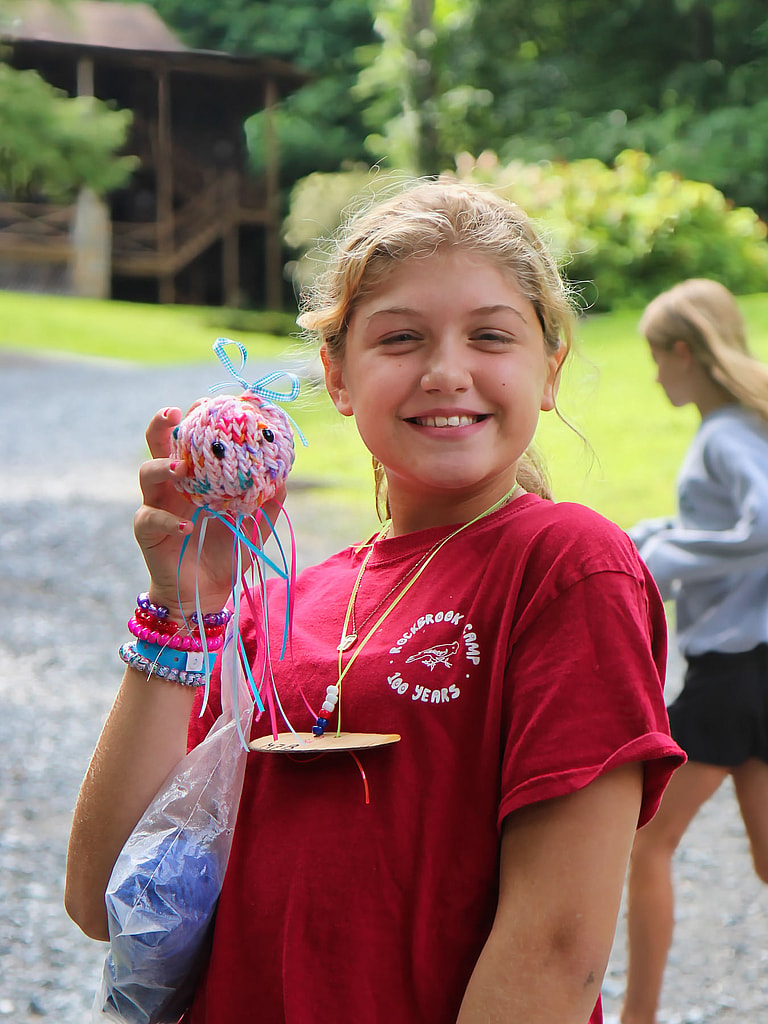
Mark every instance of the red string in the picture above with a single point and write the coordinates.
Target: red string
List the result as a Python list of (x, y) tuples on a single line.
[(363, 775)]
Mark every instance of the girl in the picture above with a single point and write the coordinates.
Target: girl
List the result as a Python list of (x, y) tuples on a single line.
[(713, 559), (482, 881)]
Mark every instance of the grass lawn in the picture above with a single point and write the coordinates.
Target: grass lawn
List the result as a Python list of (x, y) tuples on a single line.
[(122, 330), (635, 438)]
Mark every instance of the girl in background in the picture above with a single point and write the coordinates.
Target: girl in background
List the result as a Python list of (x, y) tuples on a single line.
[(713, 560), (514, 645)]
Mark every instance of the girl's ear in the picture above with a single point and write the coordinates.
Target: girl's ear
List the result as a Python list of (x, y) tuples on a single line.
[(334, 382), (683, 351), (552, 381)]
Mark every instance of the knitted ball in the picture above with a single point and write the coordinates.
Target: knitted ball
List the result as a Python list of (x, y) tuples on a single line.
[(238, 450)]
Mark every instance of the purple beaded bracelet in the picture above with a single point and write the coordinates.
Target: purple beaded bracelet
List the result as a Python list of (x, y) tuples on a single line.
[(161, 613)]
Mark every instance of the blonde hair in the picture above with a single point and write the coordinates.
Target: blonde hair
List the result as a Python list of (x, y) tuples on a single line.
[(704, 315), (417, 222)]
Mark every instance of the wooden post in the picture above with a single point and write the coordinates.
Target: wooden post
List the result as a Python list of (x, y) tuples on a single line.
[(164, 186), (85, 76), (274, 270), (90, 266), (230, 263)]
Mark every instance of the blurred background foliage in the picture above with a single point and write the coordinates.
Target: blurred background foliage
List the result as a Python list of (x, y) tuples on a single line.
[(51, 146), (623, 233), (413, 82), (636, 131)]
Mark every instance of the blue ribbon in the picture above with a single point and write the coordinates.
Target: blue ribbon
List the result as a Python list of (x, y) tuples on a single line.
[(258, 387)]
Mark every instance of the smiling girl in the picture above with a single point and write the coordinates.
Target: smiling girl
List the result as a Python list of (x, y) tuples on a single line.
[(514, 646)]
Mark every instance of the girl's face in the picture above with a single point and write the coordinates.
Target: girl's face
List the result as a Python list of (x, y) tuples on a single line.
[(445, 372), (673, 372)]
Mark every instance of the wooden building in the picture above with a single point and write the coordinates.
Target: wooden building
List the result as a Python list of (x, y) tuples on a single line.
[(192, 225)]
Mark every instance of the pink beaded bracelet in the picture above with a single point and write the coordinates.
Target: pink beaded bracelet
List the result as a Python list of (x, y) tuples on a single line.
[(174, 640)]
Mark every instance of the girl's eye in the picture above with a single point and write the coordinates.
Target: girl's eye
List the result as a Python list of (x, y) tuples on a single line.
[(401, 337), (498, 338), (267, 435), (218, 449), (491, 335)]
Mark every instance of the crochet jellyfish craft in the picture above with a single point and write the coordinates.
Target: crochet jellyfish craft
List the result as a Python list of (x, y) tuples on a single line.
[(238, 450)]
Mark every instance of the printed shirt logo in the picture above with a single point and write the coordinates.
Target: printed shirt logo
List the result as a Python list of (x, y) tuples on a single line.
[(438, 655), (450, 662)]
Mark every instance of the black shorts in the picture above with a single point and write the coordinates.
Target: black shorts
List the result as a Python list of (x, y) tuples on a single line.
[(721, 714)]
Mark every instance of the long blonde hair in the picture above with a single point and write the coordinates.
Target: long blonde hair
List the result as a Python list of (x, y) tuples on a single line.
[(416, 222), (704, 315)]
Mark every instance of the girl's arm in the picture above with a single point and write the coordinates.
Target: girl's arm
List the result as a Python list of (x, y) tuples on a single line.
[(737, 464), (563, 863), (647, 528), (145, 735), (143, 739)]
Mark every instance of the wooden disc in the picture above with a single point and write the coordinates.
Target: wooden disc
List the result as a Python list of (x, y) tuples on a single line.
[(308, 743)]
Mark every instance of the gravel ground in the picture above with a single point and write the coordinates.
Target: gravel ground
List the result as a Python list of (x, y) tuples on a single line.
[(69, 573)]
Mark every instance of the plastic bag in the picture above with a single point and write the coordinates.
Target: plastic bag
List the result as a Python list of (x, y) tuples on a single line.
[(162, 894)]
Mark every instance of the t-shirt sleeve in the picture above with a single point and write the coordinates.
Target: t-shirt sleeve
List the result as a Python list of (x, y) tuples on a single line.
[(584, 693)]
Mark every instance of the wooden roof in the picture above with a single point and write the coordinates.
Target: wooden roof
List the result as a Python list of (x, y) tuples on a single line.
[(130, 34), (93, 23)]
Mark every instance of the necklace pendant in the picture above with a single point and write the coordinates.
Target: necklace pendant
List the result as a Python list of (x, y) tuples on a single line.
[(346, 642)]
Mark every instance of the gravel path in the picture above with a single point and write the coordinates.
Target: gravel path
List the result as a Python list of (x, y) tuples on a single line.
[(69, 573)]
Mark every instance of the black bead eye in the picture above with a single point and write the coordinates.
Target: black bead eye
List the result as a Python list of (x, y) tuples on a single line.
[(267, 435), (218, 449)]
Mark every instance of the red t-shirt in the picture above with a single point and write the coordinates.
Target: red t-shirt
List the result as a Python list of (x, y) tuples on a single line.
[(522, 664)]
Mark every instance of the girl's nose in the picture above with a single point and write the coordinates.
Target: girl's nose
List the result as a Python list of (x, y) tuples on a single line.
[(446, 373)]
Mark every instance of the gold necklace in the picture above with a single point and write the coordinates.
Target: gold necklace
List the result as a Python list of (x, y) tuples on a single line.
[(349, 639), (296, 742)]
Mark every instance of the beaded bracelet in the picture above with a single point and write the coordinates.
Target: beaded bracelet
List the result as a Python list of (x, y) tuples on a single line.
[(159, 611), (188, 642), (150, 622), (134, 659)]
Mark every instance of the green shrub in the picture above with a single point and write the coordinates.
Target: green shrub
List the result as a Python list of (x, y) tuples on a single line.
[(319, 203), (624, 233)]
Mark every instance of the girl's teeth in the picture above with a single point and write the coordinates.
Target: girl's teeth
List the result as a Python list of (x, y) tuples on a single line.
[(448, 421)]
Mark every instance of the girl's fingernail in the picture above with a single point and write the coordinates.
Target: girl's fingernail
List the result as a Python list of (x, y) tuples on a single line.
[(183, 526), (164, 413), (173, 465)]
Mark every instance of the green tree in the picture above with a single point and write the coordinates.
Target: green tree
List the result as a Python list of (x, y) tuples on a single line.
[(52, 145), (684, 80), (418, 98), (570, 79)]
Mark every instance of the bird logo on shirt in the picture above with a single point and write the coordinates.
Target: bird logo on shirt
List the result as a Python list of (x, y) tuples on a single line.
[(440, 654)]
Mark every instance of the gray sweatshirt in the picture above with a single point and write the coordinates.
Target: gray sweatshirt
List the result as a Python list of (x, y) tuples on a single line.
[(713, 558)]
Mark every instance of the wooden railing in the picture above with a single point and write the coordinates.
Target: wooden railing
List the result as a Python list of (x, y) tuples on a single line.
[(41, 233), (167, 246), (36, 232)]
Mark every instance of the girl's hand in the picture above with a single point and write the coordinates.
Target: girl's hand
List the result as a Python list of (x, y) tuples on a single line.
[(163, 523)]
